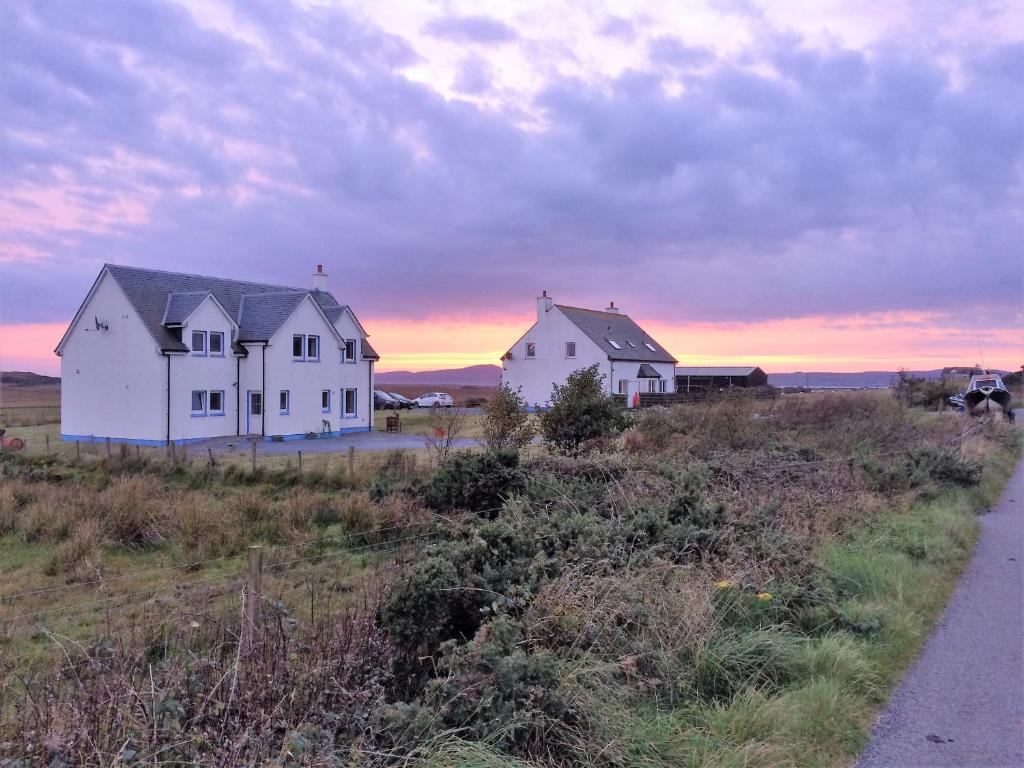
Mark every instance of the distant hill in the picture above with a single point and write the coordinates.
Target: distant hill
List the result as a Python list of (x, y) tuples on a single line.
[(26, 379), (474, 375)]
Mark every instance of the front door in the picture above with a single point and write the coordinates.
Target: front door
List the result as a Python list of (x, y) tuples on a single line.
[(254, 412)]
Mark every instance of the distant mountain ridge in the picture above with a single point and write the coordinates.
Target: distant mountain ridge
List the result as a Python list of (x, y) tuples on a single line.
[(26, 379), (476, 375)]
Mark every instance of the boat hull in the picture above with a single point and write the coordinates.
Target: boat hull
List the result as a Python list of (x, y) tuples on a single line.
[(979, 401)]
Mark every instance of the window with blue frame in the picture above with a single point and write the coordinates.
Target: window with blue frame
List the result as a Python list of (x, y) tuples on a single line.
[(199, 343), (285, 402), (216, 343), (350, 403), (325, 401), (198, 402)]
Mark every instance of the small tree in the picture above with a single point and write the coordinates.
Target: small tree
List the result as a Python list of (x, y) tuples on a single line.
[(506, 422), (444, 427), (581, 411)]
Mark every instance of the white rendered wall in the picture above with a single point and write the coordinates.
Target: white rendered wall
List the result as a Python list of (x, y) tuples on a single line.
[(210, 372), (113, 382), (306, 380), (534, 376)]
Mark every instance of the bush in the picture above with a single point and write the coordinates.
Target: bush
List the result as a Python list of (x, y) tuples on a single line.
[(581, 412), (506, 423), (477, 482)]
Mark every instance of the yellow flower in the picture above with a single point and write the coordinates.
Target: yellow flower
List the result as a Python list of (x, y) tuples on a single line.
[(723, 584), (764, 595)]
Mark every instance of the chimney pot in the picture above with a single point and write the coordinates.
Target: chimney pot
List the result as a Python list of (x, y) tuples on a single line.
[(612, 308), (544, 304)]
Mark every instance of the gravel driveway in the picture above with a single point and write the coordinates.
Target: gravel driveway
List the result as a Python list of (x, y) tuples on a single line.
[(962, 703)]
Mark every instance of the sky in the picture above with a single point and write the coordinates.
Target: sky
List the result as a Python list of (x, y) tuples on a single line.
[(802, 186)]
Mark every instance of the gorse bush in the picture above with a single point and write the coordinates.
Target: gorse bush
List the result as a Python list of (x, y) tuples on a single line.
[(477, 482), (581, 413)]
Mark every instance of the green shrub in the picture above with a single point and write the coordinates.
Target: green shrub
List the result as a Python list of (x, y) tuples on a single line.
[(477, 482), (506, 423), (581, 412)]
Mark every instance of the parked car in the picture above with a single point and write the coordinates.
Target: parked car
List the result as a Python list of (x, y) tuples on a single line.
[(435, 398), (382, 401), (403, 401)]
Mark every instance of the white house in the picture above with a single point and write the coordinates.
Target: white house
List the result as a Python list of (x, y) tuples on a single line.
[(565, 339), (154, 357)]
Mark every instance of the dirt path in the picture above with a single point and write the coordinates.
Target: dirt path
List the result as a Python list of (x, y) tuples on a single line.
[(962, 703)]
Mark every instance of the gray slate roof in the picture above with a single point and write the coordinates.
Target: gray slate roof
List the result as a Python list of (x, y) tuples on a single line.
[(647, 371), (181, 305), (726, 370), (259, 309), (602, 326)]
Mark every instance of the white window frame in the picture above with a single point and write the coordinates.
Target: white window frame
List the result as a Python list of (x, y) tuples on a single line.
[(614, 344), (286, 395), (623, 386), (206, 346), (569, 344), (663, 386), (345, 412), (209, 346), (345, 356), (302, 346), (531, 350), (209, 402), (312, 358), (325, 408), (650, 346), (203, 400)]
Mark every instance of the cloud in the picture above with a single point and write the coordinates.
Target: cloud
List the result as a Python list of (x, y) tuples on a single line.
[(784, 180), (470, 29), (618, 27), (475, 76), (666, 49)]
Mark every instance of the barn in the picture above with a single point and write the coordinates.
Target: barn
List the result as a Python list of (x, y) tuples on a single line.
[(701, 379)]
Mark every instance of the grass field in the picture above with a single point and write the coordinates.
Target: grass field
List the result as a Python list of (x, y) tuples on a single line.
[(721, 585)]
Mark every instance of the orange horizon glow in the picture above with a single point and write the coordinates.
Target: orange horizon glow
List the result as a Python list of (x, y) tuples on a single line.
[(879, 341)]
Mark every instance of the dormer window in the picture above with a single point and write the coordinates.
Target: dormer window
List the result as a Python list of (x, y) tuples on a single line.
[(312, 347), (216, 343), (615, 344), (349, 353)]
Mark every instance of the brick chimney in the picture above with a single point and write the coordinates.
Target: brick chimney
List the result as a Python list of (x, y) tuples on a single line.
[(544, 304), (319, 279), (612, 308)]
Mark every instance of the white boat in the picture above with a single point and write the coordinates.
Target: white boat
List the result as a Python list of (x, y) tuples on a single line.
[(987, 393)]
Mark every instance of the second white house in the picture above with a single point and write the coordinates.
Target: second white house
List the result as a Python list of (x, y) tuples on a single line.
[(565, 339), (154, 357)]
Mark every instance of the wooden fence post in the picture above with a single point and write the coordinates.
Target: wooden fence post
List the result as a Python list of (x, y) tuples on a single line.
[(352, 463), (78, 450), (300, 462), (209, 452), (138, 452), (47, 445), (252, 607), (253, 455), (109, 454)]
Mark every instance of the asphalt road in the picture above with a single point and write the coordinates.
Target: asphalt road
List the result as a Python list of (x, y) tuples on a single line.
[(962, 703)]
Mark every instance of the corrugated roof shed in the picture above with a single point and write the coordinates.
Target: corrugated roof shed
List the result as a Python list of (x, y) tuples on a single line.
[(603, 328), (743, 370)]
